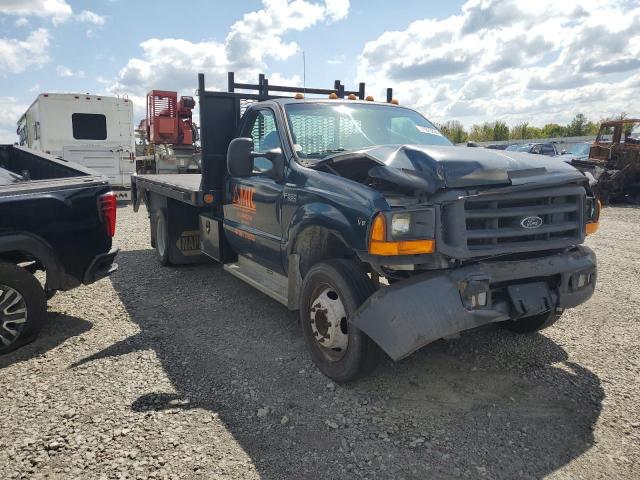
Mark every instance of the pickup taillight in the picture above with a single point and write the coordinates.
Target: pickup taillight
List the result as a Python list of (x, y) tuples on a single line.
[(107, 205)]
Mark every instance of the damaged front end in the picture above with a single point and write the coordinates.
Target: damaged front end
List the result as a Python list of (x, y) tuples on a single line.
[(412, 313), (470, 237)]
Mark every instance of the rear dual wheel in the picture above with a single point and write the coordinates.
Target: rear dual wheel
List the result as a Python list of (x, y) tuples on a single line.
[(162, 238), (332, 291)]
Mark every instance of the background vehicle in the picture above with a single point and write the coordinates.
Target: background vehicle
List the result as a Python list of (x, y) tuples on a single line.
[(168, 135), (364, 218), (55, 216), (579, 151), (549, 149), (497, 146), (92, 130), (614, 161)]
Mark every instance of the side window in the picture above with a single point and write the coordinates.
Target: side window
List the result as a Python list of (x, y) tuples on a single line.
[(630, 133), (547, 149), (606, 134), (263, 132), (265, 137), (535, 149)]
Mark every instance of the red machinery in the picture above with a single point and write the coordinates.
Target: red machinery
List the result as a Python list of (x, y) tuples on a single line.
[(169, 121), (168, 135)]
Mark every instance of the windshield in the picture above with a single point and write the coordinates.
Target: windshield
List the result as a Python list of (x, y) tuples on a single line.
[(323, 129), (580, 149)]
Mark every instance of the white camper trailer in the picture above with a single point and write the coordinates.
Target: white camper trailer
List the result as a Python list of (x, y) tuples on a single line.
[(92, 130)]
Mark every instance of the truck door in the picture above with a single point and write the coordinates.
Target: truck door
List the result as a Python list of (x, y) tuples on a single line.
[(252, 206)]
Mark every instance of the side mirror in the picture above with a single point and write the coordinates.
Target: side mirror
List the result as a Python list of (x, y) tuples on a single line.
[(239, 158)]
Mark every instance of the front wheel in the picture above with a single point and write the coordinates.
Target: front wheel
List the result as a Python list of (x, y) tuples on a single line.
[(22, 307), (332, 291)]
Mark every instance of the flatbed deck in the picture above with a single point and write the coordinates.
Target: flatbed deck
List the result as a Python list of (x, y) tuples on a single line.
[(181, 186)]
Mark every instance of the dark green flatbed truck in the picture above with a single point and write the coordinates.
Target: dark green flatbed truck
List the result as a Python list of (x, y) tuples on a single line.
[(365, 219)]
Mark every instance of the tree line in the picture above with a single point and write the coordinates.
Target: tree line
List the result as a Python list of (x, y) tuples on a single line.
[(499, 130)]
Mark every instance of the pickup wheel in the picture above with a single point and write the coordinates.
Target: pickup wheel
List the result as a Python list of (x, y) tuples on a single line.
[(22, 307), (331, 292), (533, 324), (162, 238)]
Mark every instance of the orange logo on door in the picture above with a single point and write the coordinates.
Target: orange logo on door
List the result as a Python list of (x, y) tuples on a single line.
[(243, 197)]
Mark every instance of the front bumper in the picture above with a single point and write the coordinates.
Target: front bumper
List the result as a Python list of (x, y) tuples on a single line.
[(411, 313), (101, 266)]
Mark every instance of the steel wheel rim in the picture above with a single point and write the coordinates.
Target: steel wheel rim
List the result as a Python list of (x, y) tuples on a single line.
[(161, 239), (13, 315), (328, 319)]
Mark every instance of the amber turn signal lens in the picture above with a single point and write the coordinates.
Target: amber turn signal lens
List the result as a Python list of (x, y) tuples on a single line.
[(591, 228), (379, 246), (379, 229), (407, 247)]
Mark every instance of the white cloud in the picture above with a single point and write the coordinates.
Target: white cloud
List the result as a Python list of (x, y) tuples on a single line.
[(65, 72), (513, 60), (10, 111), (18, 55), (90, 17), (173, 63), (58, 10)]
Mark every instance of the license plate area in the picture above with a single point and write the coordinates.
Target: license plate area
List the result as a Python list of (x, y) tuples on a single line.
[(530, 299)]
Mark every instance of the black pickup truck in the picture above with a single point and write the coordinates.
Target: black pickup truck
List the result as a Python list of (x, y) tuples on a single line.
[(364, 217), (55, 216)]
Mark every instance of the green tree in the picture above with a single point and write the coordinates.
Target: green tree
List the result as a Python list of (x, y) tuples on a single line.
[(578, 126), (454, 131), (519, 131), (500, 131), (553, 130)]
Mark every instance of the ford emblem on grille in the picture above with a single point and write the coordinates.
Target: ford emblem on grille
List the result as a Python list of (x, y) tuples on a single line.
[(531, 222)]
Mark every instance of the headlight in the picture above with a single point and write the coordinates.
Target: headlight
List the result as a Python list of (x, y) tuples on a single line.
[(400, 224), (403, 233)]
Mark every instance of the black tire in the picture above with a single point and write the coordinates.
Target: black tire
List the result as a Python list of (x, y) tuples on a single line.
[(162, 238), (152, 238), (353, 287), (50, 293), (23, 307), (533, 324)]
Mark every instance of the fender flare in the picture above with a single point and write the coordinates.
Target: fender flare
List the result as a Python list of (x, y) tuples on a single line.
[(308, 216), (320, 215), (38, 248)]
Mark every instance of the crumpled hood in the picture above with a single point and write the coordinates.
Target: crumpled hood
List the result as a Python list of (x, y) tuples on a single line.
[(430, 167)]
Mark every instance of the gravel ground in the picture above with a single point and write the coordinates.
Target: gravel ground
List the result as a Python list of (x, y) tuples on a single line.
[(189, 373)]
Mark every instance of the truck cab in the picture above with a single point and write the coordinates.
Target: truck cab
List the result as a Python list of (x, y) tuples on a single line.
[(363, 217)]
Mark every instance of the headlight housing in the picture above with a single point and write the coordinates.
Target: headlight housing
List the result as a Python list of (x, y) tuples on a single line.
[(403, 233)]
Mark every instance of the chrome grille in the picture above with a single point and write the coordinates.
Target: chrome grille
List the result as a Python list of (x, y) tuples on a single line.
[(498, 222)]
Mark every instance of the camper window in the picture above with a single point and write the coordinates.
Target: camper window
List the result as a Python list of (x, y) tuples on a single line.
[(89, 126)]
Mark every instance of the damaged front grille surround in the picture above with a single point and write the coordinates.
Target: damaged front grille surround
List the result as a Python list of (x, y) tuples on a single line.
[(494, 224)]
